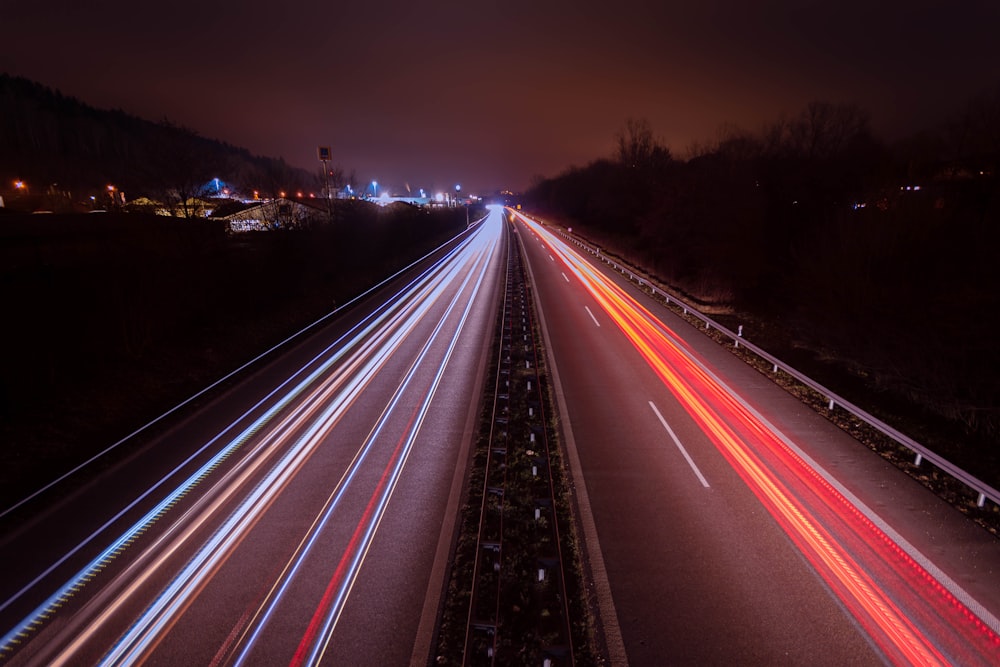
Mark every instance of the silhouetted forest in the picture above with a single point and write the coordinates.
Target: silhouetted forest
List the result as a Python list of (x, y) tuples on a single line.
[(109, 320), (112, 319), (831, 245), (60, 145)]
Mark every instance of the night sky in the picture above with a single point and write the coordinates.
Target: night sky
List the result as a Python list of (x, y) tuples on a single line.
[(490, 94)]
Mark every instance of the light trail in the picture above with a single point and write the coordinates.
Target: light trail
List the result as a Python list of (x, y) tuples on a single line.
[(334, 401), (303, 412), (328, 357), (316, 639), (907, 613)]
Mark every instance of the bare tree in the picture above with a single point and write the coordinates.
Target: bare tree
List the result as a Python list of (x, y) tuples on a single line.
[(635, 142), (976, 133), (180, 167), (824, 130)]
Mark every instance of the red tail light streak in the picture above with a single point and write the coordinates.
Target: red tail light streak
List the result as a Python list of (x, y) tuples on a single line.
[(908, 614)]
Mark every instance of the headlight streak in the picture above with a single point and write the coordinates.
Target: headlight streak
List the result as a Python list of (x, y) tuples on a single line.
[(215, 384), (389, 312), (360, 332), (375, 507), (383, 493), (734, 429), (143, 636)]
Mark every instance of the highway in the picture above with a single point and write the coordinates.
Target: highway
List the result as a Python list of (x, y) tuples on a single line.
[(305, 516), (727, 523)]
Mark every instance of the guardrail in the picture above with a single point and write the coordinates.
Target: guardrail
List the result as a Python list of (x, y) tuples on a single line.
[(921, 452)]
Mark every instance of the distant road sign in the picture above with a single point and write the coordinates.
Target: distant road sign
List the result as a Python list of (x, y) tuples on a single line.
[(324, 153)]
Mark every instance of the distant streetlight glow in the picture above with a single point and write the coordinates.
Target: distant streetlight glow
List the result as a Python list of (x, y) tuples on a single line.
[(375, 188)]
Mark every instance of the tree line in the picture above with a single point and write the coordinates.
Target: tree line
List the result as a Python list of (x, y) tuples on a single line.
[(60, 144), (879, 255)]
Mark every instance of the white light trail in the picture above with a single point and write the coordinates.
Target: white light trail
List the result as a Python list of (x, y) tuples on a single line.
[(311, 405)]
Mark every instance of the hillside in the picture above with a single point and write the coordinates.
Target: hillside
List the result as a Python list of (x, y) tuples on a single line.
[(60, 145)]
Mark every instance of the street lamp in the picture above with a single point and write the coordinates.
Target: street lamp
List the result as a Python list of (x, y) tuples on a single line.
[(458, 189), (375, 189)]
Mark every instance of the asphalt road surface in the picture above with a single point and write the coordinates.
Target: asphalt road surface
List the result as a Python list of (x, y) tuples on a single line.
[(727, 523), (305, 516)]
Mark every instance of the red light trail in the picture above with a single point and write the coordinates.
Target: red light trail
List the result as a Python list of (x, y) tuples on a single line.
[(907, 613)]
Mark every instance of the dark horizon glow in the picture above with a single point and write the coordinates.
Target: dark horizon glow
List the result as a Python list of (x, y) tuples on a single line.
[(491, 95)]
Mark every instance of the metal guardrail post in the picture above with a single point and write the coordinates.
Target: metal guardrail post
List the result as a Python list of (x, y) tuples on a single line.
[(921, 452)]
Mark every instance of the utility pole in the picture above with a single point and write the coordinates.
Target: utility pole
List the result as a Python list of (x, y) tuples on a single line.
[(323, 152)]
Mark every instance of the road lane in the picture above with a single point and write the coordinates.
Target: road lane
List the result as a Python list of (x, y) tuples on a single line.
[(329, 496), (699, 580)]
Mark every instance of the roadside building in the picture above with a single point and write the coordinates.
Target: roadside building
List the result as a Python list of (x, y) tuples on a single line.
[(280, 213)]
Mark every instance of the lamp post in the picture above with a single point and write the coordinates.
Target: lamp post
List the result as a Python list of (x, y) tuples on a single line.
[(458, 189), (375, 189)]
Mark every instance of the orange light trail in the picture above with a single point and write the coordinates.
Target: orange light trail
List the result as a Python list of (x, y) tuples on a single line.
[(839, 541)]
